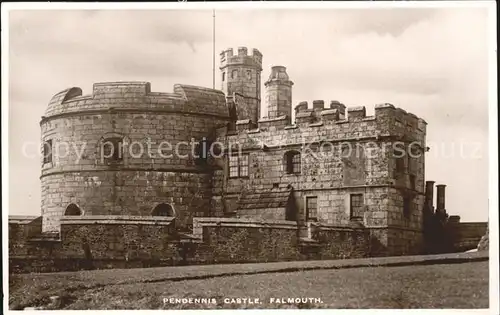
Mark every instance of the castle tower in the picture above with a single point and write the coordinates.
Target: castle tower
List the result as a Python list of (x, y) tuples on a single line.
[(105, 171), (278, 93), (240, 76)]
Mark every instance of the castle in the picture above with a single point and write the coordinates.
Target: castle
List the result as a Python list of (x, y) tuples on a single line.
[(252, 185)]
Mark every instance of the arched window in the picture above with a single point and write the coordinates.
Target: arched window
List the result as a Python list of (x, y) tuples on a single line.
[(72, 209), (292, 162), (163, 210), (234, 74)]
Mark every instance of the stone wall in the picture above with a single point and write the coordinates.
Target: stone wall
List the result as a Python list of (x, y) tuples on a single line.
[(99, 242), (228, 240), (396, 241), (464, 236), (94, 242), (339, 242), (263, 213), (21, 229)]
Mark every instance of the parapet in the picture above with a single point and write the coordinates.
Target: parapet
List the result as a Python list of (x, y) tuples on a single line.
[(202, 97), (386, 111), (140, 88), (199, 223), (138, 96), (356, 113), (62, 97), (244, 124), (227, 57), (302, 106), (304, 117), (336, 113), (117, 219), (387, 120), (277, 122), (318, 105)]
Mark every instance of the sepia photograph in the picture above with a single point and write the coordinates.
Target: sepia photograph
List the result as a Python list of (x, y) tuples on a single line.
[(250, 155)]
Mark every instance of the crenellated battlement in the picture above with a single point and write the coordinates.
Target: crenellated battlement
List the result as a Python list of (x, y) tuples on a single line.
[(131, 95), (138, 88), (337, 112), (242, 57), (387, 120)]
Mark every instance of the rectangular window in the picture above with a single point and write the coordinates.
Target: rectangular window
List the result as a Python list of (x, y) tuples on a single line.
[(311, 208), (400, 165), (238, 166), (292, 160), (243, 166), (233, 166), (412, 182), (230, 206), (357, 205), (296, 164), (412, 164), (47, 151), (113, 150), (406, 207)]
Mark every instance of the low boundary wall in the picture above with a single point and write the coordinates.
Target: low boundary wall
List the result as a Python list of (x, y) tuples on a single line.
[(101, 242)]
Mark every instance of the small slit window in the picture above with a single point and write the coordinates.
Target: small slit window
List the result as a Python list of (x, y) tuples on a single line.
[(47, 151), (234, 74), (407, 207), (400, 165), (413, 182)]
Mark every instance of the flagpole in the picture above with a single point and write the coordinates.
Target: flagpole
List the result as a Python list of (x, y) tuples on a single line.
[(213, 51)]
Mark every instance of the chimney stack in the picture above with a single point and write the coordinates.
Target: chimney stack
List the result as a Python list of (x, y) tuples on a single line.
[(429, 195), (278, 93), (441, 206)]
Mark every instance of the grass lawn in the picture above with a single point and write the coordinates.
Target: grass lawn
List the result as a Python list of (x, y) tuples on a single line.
[(462, 285)]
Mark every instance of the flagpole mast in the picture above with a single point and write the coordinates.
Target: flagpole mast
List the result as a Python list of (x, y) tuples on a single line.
[(213, 51)]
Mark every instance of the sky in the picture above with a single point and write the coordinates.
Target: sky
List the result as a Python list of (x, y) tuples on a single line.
[(431, 62)]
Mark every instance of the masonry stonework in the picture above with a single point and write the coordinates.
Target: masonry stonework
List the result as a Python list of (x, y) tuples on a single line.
[(147, 173), (132, 178)]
